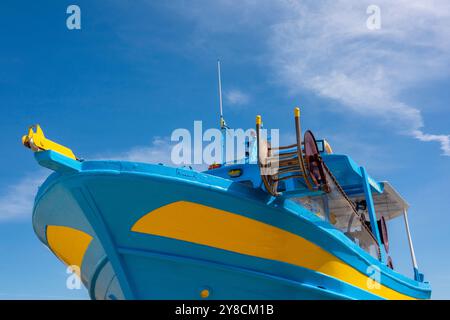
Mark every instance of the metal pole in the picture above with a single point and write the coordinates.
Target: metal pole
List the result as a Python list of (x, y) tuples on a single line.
[(298, 133), (411, 247), (220, 95), (371, 211), (223, 127)]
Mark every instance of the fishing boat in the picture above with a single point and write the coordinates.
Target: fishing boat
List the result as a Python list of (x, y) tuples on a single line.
[(298, 222)]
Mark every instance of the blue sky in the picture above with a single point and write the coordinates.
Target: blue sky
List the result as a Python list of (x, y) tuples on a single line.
[(137, 70)]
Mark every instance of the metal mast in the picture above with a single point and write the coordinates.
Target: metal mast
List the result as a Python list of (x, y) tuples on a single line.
[(222, 121), (223, 125)]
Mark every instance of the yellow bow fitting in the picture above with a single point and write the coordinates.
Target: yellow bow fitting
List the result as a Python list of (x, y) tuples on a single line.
[(36, 141)]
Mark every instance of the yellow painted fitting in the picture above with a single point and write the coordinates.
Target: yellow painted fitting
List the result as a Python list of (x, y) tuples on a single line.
[(234, 173), (333, 218), (204, 293), (37, 141), (297, 112), (327, 147), (258, 119)]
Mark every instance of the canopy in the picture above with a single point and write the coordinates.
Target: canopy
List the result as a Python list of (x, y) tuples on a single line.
[(387, 200)]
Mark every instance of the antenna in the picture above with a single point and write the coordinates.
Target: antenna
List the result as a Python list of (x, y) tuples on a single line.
[(222, 120), (223, 125)]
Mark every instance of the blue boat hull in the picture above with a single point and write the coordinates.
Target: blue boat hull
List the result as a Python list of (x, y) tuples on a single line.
[(141, 231)]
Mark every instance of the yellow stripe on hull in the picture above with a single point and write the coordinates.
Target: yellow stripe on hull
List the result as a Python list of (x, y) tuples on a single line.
[(216, 228), (68, 244)]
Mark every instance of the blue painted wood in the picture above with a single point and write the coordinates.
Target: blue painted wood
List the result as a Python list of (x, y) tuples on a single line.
[(372, 213), (120, 193)]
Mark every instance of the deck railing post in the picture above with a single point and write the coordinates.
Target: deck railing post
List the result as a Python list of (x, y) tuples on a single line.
[(372, 213), (258, 129)]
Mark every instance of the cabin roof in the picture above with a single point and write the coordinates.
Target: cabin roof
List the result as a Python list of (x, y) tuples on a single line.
[(348, 174), (387, 201)]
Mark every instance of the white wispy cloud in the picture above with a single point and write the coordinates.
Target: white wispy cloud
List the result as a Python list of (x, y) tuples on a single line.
[(326, 48), (236, 97), (444, 140), (158, 151), (329, 50), (16, 203)]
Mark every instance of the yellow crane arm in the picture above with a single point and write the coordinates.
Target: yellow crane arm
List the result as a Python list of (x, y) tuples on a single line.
[(36, 141)]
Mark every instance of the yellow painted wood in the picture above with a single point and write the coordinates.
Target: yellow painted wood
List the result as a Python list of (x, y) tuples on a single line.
[(216, 228), (68, 244)]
